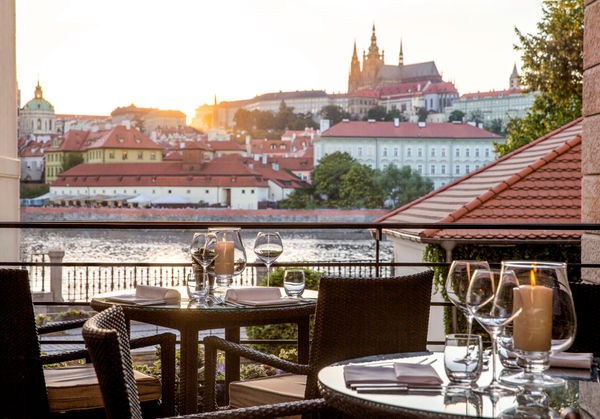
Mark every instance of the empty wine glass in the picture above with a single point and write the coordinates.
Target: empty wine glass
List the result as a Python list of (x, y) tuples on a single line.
[(203, 253), (293, 282), (490, 300), (457, 285), (268, 247)]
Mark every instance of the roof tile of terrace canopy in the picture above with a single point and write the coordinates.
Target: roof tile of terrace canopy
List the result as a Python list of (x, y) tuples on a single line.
[(538, 183)]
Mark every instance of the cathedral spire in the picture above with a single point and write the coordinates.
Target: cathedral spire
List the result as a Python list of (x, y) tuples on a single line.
[(401, 55), (354, 54), (373, 48)]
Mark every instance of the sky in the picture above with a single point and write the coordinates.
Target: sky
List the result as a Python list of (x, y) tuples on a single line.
[(92, 56)]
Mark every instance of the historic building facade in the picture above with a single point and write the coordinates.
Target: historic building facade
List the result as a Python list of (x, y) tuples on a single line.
[(375, 73), (37, 116)]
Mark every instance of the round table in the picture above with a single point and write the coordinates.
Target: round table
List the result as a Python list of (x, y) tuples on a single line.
[(582, 392), (189, 318)]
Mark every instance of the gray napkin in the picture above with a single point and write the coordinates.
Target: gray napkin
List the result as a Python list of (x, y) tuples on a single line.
[(362, 374), (416, 374)]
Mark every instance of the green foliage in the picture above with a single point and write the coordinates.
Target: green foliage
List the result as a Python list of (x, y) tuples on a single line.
[(266, 124), (496, 126), (300, 198), (396, 113), (334, 114), (33, 190), (476, 116), (456, 115), (552, 64), (327, 176), (402, 186), (71, 160), (495, 255), (358, 189), (422, 114), (377, 113)]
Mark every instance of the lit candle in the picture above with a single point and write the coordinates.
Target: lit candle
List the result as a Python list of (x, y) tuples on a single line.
[(224, 259), (533, 327)]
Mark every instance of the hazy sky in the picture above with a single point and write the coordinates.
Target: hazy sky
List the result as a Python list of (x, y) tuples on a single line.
[(92, 56)]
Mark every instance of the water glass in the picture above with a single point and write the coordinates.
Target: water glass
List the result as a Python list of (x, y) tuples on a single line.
[(293, 282), (197, 286), (463, 358)]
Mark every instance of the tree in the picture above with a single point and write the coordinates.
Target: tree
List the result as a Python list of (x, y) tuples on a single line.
[(396, 113), (334, 114), (358, 190), (300, 198), (378, 113), (422, 114), (496, 126), (552, 64), (244, 119), (71, 160), (476, 116), (401, 186), (327, 176), (456, 115)]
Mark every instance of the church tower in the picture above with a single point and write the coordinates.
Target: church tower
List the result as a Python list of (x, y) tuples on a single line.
[(515, 79), (373, 62), (355, 75), (401, 55)]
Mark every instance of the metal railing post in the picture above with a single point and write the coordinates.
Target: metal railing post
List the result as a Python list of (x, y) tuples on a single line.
[(56, 256)]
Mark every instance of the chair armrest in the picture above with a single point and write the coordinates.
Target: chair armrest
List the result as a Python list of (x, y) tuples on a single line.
[(254, 355), (59, 326), (269, 410), (65, 356), (212, 343), (166, 341)]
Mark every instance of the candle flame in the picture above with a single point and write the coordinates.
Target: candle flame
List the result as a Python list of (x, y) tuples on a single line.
[(224, 239), (532, 276)]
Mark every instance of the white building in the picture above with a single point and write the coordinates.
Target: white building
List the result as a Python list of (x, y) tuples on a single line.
[(442, 152), (501, 104)]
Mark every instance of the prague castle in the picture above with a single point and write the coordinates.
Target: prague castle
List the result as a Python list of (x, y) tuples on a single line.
[(375, 73)]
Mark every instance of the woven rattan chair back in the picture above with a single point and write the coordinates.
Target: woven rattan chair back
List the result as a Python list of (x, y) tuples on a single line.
[(107, 340), (358, 317), (587, 337), (22, 385)]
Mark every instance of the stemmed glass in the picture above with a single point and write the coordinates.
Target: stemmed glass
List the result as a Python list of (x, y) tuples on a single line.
[(457, 285), (203, 253), (231, 255), (268, 247), (490, 300), (547, 323)]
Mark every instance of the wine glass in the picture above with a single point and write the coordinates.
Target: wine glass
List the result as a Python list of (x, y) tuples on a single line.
[(490, 299), (268, 247), (457, 284), (203, 253), (547, 323), (293, 282)]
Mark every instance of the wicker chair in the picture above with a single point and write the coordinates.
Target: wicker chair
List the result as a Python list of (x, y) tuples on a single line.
[(355, 317), (587, 337), (106, 336), (29, 391)]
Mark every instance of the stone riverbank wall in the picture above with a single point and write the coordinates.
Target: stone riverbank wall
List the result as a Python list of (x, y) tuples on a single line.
[(192, 214)]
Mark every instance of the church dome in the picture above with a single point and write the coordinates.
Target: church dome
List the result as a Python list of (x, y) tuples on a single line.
[(38, 103)]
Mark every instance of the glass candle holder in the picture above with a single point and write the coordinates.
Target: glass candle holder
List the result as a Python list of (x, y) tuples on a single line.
[(230, 255)]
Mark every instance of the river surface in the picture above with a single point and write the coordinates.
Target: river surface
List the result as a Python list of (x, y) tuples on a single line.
[(172, 246)]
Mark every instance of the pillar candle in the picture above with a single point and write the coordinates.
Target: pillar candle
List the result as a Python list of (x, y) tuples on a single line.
[(532, 329), (224, 259)]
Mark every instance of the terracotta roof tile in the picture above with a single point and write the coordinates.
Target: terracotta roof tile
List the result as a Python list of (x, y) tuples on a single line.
[(540, 182), (406, 130)]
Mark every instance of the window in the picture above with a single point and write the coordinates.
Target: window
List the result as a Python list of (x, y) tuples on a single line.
[(467, 169), (188, 191), (420, 169), (408, 152), (251, 191), (140, 155), (395, 152), (457, 169), (443, 152), (124, 155), (467, 152), (476, 152), (419, 152), (433, 152), (111, 154), (206, 191), (487, 152), (243, 191), (432, 169), (153, 156), (443, 169), (385, 152), (476, 167), (360, 151), (457, 152)]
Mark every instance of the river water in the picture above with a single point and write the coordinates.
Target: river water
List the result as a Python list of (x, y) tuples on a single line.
[(141, 246)]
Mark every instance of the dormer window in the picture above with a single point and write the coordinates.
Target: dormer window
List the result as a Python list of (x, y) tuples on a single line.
[(137, 140), (120, 139)]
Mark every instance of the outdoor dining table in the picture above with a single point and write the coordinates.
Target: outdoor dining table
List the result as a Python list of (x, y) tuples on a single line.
[(189, 318), (582, 391)]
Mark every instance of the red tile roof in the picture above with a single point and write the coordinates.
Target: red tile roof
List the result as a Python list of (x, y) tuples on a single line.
[(493, 93), (443, 87), (225, 146), (540, 182), (121, 137), (406, 130), (365, 93), (73, 140)]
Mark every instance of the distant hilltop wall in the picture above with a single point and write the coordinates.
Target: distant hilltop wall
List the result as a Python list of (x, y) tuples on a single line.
[(151, 214)]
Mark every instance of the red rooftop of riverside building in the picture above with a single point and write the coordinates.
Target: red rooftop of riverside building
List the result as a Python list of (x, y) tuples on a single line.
[(538, 183), (407, 129)]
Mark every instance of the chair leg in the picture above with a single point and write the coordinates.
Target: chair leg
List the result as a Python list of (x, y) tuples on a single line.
[(167, 360), (210, 378)]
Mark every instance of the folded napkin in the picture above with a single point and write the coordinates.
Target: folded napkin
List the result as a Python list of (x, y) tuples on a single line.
[(257, 296), (401, 373), (148, 295), (571, 360)]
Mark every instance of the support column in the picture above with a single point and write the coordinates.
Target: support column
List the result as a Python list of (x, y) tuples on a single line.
[(590, 164), (9, 163), (56, 256)]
